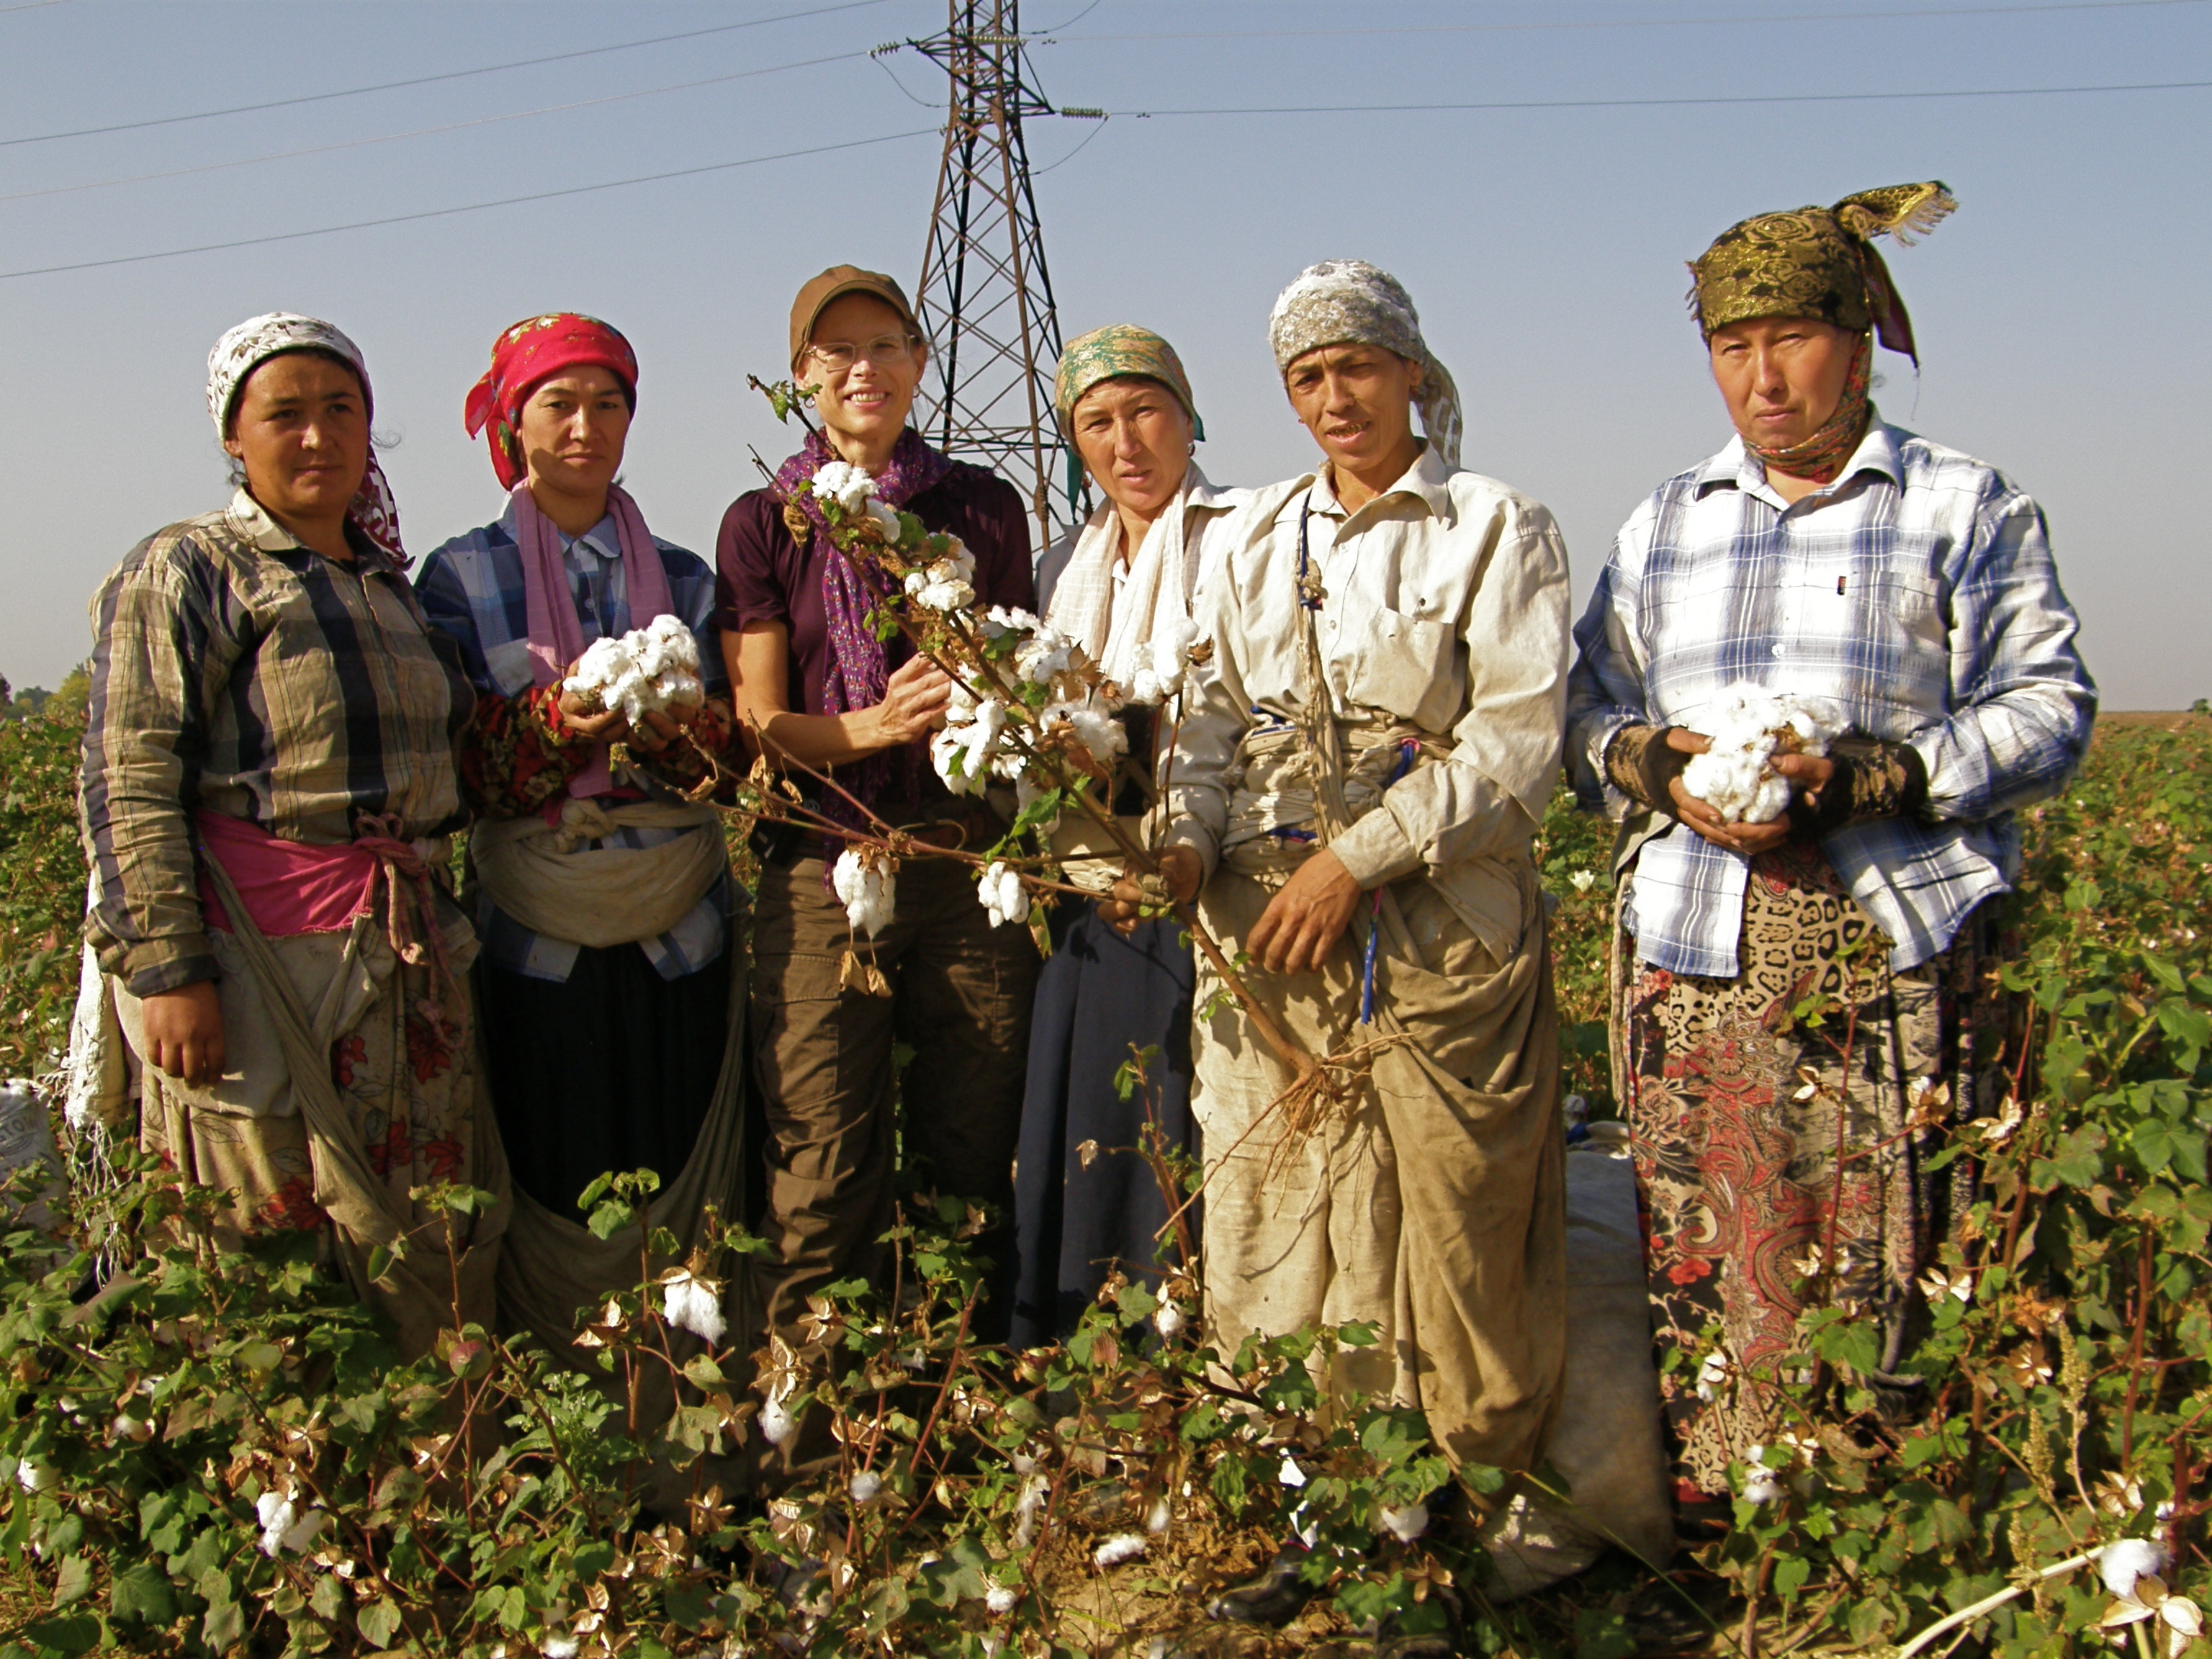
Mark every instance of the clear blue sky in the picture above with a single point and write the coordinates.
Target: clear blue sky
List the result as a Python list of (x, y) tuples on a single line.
[(2062, 312)]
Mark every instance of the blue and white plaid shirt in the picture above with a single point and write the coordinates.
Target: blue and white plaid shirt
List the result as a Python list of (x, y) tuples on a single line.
[(1917, 592), (471, 589)]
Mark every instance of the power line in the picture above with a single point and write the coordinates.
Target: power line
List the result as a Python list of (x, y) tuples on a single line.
[(449, 74), (424, 132), (1660, 103), (1633, 23), (470, 207)]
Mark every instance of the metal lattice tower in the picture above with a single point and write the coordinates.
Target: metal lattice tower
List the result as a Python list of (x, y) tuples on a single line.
[(986, 296)]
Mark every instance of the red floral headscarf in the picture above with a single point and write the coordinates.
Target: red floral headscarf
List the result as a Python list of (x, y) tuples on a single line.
[(531, 350)]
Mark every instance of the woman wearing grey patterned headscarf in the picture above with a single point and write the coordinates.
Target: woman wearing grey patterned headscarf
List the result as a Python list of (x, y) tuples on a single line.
[(1370, 747)]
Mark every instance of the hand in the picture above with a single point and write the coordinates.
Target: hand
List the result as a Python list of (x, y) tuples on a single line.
[(1180, 871), (605, 726), (1806, 774), (1304, 921), (184, 1032), (915, 699), (663, 726)]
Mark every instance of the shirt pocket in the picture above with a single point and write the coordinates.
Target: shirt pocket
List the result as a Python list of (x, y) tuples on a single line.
[(1396, 662)]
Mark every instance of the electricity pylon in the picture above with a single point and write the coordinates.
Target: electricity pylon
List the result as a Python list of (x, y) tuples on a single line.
[(986, 295)]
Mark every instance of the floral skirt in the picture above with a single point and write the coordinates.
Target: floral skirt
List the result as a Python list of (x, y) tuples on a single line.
[(1782, 1122)]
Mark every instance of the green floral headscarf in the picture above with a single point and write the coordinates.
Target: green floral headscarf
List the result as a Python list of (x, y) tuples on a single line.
[(1120, 352), (1819, 262)]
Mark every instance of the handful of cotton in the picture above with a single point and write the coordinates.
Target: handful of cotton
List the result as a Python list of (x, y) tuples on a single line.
[(1750, 725), (645, 670)]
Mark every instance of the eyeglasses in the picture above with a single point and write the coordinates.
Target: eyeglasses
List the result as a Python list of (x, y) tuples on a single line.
[(840, 356)]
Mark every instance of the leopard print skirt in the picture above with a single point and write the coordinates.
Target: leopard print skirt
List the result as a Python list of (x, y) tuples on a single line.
[(1782, 1123)]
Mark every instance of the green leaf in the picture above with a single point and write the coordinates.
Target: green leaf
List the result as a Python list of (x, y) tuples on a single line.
[(74, 1582), (143, 1592), (74, 1633), (1602, 1634), (378, 1622)]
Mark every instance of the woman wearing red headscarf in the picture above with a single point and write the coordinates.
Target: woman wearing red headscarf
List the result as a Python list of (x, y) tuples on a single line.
[(602, 893)]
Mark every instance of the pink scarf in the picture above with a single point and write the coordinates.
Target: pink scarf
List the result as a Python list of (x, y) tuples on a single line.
[(556, 634)]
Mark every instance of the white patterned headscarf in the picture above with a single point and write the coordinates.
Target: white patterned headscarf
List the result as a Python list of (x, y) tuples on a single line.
[(1351, 302), (253, 342)]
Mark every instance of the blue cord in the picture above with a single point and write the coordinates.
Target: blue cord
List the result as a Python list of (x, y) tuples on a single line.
[(1408, 748)]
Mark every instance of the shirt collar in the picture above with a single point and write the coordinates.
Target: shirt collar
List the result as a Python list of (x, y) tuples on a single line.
[(1428, 481), (1878, 452), (602, 538), (250, 522)]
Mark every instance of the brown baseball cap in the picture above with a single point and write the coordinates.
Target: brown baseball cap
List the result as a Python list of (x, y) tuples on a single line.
[(835, 283)]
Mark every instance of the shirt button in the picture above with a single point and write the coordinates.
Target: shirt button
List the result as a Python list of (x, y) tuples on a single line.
[(1778, 650)]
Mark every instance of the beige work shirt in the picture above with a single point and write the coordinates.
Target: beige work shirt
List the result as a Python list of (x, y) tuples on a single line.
[(1444, 606)]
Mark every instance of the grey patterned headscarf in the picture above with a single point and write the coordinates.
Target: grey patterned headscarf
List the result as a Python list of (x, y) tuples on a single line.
[(1351, 302)]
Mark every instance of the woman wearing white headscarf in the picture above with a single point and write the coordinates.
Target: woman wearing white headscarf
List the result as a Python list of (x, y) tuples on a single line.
[(1371, 745), (268, 786), (1086, 1201)]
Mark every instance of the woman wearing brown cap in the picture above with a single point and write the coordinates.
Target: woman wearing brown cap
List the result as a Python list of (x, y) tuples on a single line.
[(810, 677)]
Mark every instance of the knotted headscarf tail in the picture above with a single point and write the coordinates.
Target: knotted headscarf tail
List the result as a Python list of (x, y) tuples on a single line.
[(1351, 302), (253, 342), (529, 352), (1819, 262), (1115, 352)]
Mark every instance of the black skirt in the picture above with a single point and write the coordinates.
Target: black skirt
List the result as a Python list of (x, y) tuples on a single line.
[(1099, 994), (610, 1070)]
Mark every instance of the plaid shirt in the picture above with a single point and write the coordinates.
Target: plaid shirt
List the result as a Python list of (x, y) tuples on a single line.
[(236, 671), (472, 590), (1917, 592)]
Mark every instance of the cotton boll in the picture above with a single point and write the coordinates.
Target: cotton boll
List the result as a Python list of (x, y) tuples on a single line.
[(887, 520), (1168, 1320), (1026, 1507), (2130, 1559), (866, 891), (1157, 1517), (1735, 776), (1097, 731), (1001, 620), (1122, 1547), (1405, 1524), (558, 1646), (1000, 1598), (694, 1305), (1003, 894), (841, 482), (1761, 1486), (641, 672), (777, 1425), (274, 1510), (866, 1487), (1045, 656)]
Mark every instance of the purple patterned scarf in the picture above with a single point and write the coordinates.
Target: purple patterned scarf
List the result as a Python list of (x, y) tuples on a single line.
[(858, 674)]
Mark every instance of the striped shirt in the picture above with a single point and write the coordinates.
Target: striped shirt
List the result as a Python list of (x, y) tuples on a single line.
[(1917, 592), (236, 671), (472, 590)]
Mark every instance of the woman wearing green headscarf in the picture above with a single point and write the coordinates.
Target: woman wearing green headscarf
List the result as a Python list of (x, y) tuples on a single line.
[(1120, 588)]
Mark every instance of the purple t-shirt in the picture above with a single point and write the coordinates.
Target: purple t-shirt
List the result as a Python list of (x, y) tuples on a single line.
[(762, 575)]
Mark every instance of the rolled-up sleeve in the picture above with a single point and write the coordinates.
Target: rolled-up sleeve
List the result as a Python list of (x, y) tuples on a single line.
[(158, 645), (2023, 702), (1489, 795)]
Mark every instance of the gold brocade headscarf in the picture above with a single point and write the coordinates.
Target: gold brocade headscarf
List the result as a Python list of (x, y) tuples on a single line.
[(1819, 262)]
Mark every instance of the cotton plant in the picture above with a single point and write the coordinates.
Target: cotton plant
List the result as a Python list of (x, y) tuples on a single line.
[(643, 672), (1748, 726)]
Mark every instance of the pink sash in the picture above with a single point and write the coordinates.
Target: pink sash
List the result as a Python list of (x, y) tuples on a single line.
[(288, 888), (556, 634)]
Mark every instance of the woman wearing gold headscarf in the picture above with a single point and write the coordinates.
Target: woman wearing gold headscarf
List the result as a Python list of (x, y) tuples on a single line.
[(1819, 673)]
